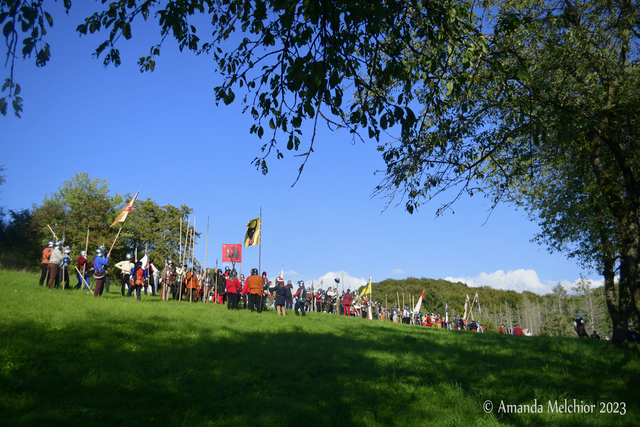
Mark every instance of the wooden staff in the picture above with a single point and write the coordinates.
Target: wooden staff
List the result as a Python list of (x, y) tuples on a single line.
[(186, 245), (52, 232), (146, 253), (186, 236), (180, 239), (83, 280), (193, 246), (114, 242), (206, 262)]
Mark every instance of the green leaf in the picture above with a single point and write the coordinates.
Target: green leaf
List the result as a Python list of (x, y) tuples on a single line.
[(49, 18), (8, 28)]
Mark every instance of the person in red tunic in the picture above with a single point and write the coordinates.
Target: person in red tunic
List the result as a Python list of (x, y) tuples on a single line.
[(347, 300), (234, 287), (83, 267)]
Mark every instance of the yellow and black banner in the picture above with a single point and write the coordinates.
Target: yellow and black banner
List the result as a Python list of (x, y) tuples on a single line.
[(253, 233)]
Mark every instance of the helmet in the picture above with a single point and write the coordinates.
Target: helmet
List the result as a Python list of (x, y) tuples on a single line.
[(227, 269), (169, 262), (129, 256), (67, 250), (50, 244), (102, 247), (219, 271), (300, 283), (264, 274), (337, 280), (59, 244), (83, 253), (254, 271), (99, 252), (280, 280)]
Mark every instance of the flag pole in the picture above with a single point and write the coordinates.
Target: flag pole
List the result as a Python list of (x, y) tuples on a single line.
[(180, 239), (370, 299), (114, 242), (260, 248), (52, 232), (86, 248), (193, 243), (206, 262), (184, 258)]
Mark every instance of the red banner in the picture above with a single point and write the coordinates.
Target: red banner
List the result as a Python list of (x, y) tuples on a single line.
[(232, 253)]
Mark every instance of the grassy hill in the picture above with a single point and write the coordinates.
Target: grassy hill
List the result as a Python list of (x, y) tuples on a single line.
[(67, 358)]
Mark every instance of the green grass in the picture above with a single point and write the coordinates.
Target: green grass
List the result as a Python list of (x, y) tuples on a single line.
[(67, 358)]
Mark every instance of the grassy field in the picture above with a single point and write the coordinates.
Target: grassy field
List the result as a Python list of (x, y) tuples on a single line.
[(67, 358)]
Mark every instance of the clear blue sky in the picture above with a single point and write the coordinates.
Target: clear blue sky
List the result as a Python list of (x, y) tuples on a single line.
[(163, 133)]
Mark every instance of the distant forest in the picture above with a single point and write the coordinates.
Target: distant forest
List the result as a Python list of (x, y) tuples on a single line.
[(550, 315)]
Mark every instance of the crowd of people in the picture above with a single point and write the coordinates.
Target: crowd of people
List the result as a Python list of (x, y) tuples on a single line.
[(255, 292)]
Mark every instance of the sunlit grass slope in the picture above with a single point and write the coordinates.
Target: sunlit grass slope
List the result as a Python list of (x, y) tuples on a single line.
[(68, 359)]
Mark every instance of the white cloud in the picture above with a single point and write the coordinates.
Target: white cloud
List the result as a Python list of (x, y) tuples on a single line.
[(397, 271), (346, 281), (517, 280)]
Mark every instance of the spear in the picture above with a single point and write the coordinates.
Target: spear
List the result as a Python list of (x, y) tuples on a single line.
[(83, 280), (206, 261), (64, 268), (86, 248), (52, 232)]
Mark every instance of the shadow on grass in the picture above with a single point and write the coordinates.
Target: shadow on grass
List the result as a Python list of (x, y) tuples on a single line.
[(153, 371)]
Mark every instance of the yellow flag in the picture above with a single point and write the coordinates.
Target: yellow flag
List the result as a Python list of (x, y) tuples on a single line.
[(253, 233), (123, 215), (366, 290)]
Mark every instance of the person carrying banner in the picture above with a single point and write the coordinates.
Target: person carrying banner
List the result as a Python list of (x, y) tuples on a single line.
[(301, 298), (44, 266), (54, 264), (100, 263), (253, 287), (125, 268)]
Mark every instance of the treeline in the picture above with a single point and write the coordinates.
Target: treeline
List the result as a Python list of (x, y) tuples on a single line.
[(85, 204), (550, 315)]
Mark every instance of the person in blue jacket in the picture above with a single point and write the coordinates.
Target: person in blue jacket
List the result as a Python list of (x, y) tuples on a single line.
[(100, 263)]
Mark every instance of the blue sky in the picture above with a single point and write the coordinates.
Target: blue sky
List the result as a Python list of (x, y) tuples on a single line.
[(163, 133)]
